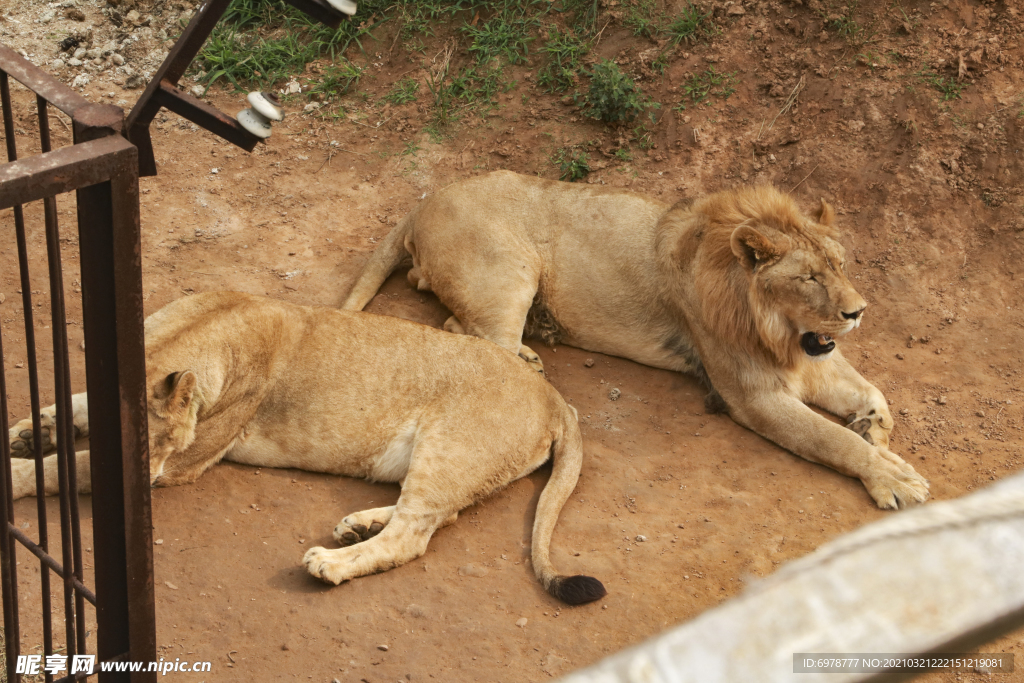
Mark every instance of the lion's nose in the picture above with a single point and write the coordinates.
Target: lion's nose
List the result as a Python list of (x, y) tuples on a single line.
[(854, 315)]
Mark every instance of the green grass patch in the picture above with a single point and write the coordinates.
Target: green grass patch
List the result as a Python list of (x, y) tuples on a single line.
[(564, 50), (947, 86), (690, 25), (700, 86), (613, 96), (507, 34), (403, 92), (263, 42), (573, 164)]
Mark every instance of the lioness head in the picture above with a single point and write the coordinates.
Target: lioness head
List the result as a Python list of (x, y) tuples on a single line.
[(173, 413), (799, 290)]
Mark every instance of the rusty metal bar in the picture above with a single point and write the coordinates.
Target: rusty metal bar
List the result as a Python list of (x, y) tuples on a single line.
[(71, 542), (53, 564), (103, 168), (62, 170), (205, 116), (111, 266), (40, 82), (44, 544), (12, 628), (162, 90), (178, 59)]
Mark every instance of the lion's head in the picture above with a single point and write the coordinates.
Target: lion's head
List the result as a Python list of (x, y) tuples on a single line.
[(773, 278)]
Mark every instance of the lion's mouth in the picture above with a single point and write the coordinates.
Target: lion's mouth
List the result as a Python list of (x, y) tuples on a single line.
[(815, 344)]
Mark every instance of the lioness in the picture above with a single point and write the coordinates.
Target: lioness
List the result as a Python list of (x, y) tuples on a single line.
[(739, 288), (267, 383)]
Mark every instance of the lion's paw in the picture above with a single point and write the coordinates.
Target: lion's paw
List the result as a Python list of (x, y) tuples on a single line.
[(531, 357), (873, 427), (895, 484), (21, 435), (359, 527), (321, 563)]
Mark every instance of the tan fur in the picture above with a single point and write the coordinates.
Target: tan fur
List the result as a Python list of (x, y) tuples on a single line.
[(272, 384), (722, 287)]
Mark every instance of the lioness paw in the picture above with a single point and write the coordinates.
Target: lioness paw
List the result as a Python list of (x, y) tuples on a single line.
[(321, 564), (895, 484), (873, 428), (362, 526), (21, 435), (531, 357)]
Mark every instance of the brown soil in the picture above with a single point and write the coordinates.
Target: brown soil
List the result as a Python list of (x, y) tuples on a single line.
[(930, 205)]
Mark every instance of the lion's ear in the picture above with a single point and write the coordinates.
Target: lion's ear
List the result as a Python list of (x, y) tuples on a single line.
[(751, 247), (182, 389), (825, 214)]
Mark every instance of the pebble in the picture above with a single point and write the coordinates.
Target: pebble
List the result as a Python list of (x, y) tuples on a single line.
[(589, 363), (159, 541), (79, 53), (614, 394), (521, 622), (117, 59), (170, 585), (382, 648), (899, 356), (74, 61), (641, 538)]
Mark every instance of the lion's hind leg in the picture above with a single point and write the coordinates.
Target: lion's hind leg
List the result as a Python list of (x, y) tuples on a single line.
[(402, 539), (362, 526)]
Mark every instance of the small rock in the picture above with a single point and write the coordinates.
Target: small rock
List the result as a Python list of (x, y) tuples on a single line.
[(588, 363), (2, 298), (158, 541), (641, 538), (899, 356), (736, 10), (134, 82), (57, 64), (117, 59), (382, 648), (942, 400), (285, 646), (614, 394), (75, 14), (472, 570), (980, 413), (904, 411), (170, 585), (133, 17), (79, 53), (81, 80), (521, 622), (74, 61), (197, 91)]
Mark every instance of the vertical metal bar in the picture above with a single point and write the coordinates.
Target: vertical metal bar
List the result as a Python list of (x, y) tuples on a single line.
[(12, 629), (108, 223), (44, 532), (71, 542)]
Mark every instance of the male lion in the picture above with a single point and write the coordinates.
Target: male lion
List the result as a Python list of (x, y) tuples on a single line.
[(739, 288), (267, 383)]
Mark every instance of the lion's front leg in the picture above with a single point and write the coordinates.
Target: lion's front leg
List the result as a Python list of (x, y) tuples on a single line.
[(785, 420), (841, 390), (23, 475)]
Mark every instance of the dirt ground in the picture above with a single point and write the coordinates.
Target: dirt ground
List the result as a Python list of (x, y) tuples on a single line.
[(930, 205)]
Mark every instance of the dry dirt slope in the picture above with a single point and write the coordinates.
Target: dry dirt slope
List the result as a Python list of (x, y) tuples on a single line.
[(930, 204)]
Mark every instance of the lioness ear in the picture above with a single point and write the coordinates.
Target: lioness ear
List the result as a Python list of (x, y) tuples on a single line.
[(825, 215), (751, 247), (182, 391)]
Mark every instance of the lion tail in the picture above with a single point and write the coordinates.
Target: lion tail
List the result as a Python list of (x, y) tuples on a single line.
[(385, 259), (568, 460)]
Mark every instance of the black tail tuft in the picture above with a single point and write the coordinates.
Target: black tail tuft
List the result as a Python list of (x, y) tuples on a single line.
[(577, 590)]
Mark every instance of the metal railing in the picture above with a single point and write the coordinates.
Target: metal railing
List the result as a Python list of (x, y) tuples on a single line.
[(101, 167)]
